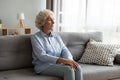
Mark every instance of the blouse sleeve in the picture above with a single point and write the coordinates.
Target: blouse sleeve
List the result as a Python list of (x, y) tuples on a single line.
[(65, 52)]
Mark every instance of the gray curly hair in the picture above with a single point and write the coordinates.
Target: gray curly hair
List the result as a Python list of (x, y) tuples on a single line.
[(41, 17)]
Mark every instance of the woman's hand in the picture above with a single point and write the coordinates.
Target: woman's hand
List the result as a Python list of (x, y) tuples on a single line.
[(69, 62)]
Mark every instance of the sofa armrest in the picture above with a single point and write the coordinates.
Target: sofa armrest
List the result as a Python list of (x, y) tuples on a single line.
[(117, 59)]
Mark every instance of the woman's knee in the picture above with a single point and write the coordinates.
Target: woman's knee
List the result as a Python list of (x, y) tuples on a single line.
[(79, 68), (68, 70)]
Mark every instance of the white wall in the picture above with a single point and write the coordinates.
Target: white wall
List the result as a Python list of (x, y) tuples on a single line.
[(10, 8)]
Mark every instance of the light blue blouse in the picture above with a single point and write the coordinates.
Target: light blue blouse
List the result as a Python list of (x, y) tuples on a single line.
[(47, 49)]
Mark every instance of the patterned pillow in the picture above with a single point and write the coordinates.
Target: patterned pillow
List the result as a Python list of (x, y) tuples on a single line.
[(99, 53)]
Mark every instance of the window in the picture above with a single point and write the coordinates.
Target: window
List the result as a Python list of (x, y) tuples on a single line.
[(89, 15), (104, 15), (70, 15)]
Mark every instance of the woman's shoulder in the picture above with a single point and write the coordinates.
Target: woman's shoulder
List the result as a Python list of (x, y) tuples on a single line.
[(55, 34), (36, 34)]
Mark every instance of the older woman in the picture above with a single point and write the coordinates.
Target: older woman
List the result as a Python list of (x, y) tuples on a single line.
[(50, 55)]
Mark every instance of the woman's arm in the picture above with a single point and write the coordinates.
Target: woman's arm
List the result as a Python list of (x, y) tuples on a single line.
[(65, 52), (67, 57)]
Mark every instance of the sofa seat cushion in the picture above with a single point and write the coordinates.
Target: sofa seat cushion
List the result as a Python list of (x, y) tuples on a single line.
[(90, 72), (97, 72), (24, 74)]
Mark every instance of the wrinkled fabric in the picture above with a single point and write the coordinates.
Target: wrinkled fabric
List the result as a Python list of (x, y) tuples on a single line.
[(47, 49)]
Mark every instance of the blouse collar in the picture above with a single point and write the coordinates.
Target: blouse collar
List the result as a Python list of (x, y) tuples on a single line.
[(51, 34)]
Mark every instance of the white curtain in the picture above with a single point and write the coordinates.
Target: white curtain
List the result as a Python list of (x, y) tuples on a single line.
[(104, 15), (73, 17), (90, 15)]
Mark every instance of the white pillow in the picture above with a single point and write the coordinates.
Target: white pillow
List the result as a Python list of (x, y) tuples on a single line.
[(99, 53)]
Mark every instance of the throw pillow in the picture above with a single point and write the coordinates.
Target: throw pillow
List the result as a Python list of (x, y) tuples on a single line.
[(99, 53)]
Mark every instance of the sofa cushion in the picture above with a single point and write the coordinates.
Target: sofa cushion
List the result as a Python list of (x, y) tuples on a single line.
[(99, 53), (76, 42), (15, 52), (24, 74), (98, 72), (90, 72)]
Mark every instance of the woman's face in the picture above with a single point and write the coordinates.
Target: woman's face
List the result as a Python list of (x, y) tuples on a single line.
[(49, 22)]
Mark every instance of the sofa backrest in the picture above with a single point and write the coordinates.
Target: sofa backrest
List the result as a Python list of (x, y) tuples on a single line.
[(16, 51), (76, 42)]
